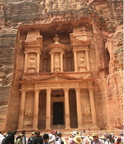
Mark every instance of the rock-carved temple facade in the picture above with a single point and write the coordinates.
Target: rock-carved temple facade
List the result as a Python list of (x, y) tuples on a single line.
[(61, 65), (57, 83)]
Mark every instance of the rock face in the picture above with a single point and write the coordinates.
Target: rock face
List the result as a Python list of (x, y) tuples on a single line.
[(105, 17)]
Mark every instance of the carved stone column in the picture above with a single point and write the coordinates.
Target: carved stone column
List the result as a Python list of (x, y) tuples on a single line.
[(48, 109), (26, 61), (93, 110), (79, 113), (61, 59), (67, 112), (75, 60), (22, 109), (36, 109), (51, 62), (38, 62), (87, 60)]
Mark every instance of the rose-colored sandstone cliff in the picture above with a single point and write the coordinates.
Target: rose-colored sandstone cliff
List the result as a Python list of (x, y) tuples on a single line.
[(105, 16)]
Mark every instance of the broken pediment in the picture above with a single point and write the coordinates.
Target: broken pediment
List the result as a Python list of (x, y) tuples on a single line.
[(33, 39), (76, 41), (34, 43)]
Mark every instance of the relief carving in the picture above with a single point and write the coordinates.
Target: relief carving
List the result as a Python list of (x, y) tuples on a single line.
[(82, 63), (87, 110), (32, 65), (28, 112), (57, 63)]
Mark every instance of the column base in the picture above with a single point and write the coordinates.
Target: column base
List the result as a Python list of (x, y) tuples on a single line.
[(35, 129), (20, 129), (95, 127), (67, 128), (47, 128), (80, 127)]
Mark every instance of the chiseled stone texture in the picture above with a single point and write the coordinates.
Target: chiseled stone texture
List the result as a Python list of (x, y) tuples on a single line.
[(109, 87), (106, 13)]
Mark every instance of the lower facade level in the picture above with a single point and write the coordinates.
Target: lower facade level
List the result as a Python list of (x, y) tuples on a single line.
[(60, 107)]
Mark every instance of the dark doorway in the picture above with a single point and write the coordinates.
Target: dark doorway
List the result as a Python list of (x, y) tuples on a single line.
[(58, 113)]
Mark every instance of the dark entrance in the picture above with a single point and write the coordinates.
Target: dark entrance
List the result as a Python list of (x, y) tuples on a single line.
[(58, 113)]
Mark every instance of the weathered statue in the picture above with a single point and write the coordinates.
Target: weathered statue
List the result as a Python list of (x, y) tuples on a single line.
[(32, 62), (28, 112), (87, 110), (57, 62)]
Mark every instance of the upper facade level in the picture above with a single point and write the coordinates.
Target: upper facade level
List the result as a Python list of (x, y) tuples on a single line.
[(63, 50)]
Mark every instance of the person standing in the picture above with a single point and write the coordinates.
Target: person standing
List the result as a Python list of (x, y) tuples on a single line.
[(51, 139), (31, 138), (96, 139), (23, 137), (1, 137), (45, 139), (9, 139), (59, 138), (109, 140), (37, 138), (19, 139)]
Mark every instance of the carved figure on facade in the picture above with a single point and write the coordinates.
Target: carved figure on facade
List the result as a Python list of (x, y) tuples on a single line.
[(57, 63), (87, 110), (28, 112), (32, 63), (82, 61)]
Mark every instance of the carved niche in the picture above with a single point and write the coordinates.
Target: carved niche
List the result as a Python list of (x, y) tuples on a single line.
[(57, 62), (32, 63), (82, 62)]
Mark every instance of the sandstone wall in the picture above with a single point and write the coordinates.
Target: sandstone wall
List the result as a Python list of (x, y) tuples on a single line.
[(107, 15)]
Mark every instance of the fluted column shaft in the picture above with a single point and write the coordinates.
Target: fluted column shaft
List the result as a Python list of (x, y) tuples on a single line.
[(48, 109), (79, 113), (22, 109), (67, 112), (36, 109)]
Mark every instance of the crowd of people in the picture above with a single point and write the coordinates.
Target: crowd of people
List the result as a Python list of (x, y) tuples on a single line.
[(56, 137)]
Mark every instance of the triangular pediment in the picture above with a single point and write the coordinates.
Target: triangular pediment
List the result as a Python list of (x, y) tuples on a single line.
[(58, 77)]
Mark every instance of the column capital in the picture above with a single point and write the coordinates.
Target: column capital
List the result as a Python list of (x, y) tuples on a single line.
[(77, 89), (51, 53), (75, 50), (48, 88), (86, 50), (23, 90), (37, 90), (91, 88), (26, 52), (38, 52), (66, 89), (62, 53)]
